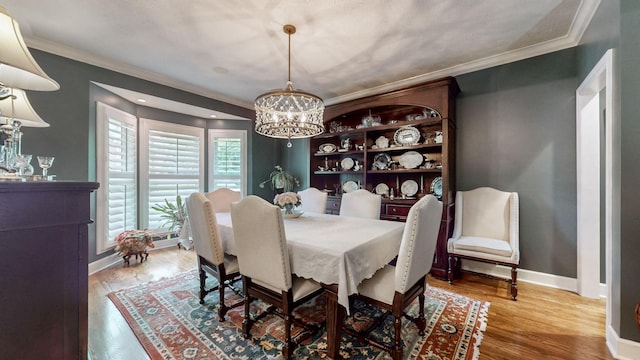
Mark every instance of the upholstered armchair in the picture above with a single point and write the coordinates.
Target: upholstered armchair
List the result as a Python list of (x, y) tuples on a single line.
[(361, 203), (393, 288), (313, 200), (486, 229), (208, 247), (222, 199), (263, 257)]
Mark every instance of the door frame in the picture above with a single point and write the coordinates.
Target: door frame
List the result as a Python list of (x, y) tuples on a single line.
[(601, 78)]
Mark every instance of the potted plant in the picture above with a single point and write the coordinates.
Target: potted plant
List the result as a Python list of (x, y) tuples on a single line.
[(281, 181), (175, 214)]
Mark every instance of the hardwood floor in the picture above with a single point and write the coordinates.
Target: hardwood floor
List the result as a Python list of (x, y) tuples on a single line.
[(544, 323)]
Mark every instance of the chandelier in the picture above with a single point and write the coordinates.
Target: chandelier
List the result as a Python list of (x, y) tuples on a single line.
[(289, 113)]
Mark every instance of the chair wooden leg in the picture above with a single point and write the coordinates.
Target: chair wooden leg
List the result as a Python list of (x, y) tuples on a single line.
[(421, 323), (396, 352), (222, 310), (246, 322), (452, 262), (287, 350), (203, 292), (514, 282)]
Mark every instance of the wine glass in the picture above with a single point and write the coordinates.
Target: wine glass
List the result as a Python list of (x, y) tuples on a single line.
[(45, 163), (22, 162)]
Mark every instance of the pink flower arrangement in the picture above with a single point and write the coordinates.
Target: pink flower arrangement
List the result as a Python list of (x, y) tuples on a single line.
[(133, 241), (287, 201)]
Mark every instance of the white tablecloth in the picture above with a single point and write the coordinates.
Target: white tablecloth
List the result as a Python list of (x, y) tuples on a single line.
[(333, 249)]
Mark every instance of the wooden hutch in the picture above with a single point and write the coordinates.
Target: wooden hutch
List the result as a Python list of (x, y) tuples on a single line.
[(401, 143)]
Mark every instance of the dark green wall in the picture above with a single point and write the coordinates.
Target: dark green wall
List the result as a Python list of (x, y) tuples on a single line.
[(629, 246), (516, 132), (71, 113)]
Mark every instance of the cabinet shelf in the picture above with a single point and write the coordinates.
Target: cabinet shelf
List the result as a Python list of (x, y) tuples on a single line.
[(393, 109), (340, 153), (404, 171)]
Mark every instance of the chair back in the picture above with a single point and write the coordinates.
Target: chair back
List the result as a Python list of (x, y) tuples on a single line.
[(313, 200), (486, 212), (361, 203), (259, 234), (418, 242), (222, 199), (204, 228)]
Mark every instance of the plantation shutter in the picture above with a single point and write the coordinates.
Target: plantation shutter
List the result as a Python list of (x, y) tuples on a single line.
[(174, 162), (227, 160), (116, 172)]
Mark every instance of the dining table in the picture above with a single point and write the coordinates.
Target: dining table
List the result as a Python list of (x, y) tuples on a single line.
[(339, 252)]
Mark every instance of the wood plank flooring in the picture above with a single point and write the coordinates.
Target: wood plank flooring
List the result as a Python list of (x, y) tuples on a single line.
[(544, 323)]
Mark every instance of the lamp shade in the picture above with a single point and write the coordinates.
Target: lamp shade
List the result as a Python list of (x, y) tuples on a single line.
[(18, 69), (20, 109)]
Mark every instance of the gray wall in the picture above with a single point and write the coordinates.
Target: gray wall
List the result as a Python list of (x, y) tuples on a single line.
[(627, 255), (71, 113), (516, 132)]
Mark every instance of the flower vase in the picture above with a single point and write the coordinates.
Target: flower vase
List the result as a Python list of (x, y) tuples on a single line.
[(288, 209)]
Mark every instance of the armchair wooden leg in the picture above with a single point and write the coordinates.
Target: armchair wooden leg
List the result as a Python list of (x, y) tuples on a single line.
[(514, 283), (246, 322), (452, 262), (288, 347)]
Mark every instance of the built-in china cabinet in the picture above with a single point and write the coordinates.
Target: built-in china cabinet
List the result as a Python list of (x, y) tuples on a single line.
[(400, 145)]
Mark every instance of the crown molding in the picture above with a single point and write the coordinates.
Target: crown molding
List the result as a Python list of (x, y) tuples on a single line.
[(85, 57)]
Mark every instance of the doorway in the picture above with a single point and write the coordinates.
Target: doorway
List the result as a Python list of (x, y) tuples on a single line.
[(595, 164)]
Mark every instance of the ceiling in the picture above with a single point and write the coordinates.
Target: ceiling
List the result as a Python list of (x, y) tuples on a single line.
[(234, 50)]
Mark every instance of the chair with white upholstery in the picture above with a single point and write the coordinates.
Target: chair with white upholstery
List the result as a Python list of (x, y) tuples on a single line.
[(208, 247), (313, 200), (361, 203), (393, 288), (263, 256), (486, 229), (222, 199)]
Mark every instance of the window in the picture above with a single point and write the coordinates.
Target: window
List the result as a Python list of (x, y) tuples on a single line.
[(171, 159), (116, 171), (228, 160)]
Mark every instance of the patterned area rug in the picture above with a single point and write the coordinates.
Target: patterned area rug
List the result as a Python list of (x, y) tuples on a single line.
[(169, 321)]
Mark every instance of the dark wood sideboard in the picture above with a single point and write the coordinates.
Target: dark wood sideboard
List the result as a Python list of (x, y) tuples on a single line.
[(44, 269)]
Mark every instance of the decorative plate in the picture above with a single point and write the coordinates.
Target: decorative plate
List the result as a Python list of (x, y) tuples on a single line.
[(436, 186), (346, 163), (409, 188), (328, 148), (382, 189), (407, 135), (382, 161), (382, 142), (410, 160), (349, 186)]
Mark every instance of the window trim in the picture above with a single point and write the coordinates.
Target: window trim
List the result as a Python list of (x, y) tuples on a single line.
[(103, 113), (143, 159), (232, 133)]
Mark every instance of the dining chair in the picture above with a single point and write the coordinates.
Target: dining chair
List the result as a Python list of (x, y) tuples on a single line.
[(361, 203), (486, 229), (222, 198), (263, 256), (208, 247), (313, 200), (394, 288)]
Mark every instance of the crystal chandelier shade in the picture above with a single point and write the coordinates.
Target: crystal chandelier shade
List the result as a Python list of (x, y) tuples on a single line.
[(289, 113)]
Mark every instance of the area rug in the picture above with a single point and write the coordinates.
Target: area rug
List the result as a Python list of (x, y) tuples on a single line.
[(170, 323)]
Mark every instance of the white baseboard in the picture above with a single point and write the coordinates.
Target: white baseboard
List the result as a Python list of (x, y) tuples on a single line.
[(622, 349), (528, 276), (113, 259)]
